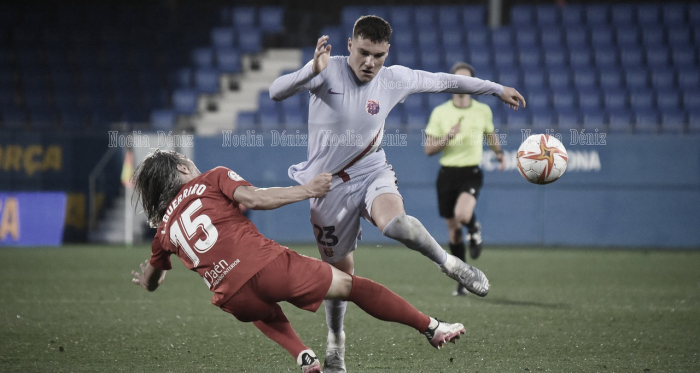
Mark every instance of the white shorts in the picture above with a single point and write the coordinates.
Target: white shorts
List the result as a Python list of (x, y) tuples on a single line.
[(336, 217)]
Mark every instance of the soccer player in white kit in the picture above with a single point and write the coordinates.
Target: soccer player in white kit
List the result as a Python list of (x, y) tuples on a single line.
[(350, 97)]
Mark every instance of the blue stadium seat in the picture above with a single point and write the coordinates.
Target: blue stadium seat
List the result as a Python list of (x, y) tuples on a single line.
[(533, 80), (568, 120), (243, 18), (436, 99), (683, 58), (605, 57), (674, 14), (620, 122), (580, 58), (594, 121), (585, 79), (657, 58), (627, 37), (555, 58), (597, 15), (404, 39), (269, 120), (452, 39), (504, 59), (400, 16), (622, 14), (428, 39), (473, 15), (527, 37), (673, 122), (350, 14), (642, 99), (379, 11), (668, 101), (407, 58), (554, 39), (294, 120), (615, 100), (678, 37), (249, 41), (416, 121), (335, 35), (636, 78), (394, 120), (431, 61), (183, 77), (73, 120), (691, 100), (563, 101), (694, 122), (42, 119), (486, 74), (223, 37), (653, 37), (185, 101), (480, 59), (648, 14), (601, 36), (292, 103), (547, 15), (538, 100), (517, 121), (13, 118), (689, 78), (522, 15), (610, 79), (576, 37), (206, 80), (478, 37), (530, 58), (662, 79), (202, 57), (307, 54), (424, 16), (452, 56), (543, 120), (414, 102), (163, 119), (502, 38), (509, 77), (265, 103), (449, 17), (271, 19), (646, 121), (589, 101), (572, 14), (246, 121), (559, 79), (228, 60)]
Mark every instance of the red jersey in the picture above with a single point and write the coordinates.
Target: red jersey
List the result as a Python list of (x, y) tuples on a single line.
[(204, 226)]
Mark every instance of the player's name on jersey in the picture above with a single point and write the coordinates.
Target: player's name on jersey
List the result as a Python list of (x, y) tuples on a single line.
[(196, 189), (136, 139)]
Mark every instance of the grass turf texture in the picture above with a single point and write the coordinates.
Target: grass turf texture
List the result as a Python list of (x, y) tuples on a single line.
[(74, 309)]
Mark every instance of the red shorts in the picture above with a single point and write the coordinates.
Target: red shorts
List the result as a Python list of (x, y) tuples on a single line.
[(291, 277)]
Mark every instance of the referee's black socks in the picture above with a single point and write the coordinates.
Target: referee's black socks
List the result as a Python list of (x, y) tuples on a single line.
[(457, 250), (472, 225)]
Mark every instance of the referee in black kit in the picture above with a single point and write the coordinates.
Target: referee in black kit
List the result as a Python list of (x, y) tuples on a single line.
[(456, 128)]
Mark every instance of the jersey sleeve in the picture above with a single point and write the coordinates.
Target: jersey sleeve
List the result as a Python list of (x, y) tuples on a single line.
[(160, 258), (227, 180), (303, 79), (418, 81), (434, 127)]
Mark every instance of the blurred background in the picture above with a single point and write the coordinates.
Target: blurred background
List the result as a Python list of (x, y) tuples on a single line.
[(88, 88)]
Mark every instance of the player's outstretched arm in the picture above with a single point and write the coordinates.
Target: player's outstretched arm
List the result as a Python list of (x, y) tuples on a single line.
[(305, 78), (272, 198), (149, 278)]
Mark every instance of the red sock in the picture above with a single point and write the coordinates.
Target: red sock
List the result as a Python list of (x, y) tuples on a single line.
[(278, 328), (385, 305)]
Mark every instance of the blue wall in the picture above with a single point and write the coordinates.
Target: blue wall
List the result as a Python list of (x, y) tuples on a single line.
[(631, 191)]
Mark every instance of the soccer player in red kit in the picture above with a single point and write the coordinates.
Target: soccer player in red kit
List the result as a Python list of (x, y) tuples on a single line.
[(199, 219)]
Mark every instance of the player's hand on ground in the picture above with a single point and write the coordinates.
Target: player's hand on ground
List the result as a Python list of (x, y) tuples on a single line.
[(322, 54), (320, 185), (512, 97)]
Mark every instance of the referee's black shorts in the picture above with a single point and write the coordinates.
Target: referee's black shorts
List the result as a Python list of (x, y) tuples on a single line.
[(452, 181)]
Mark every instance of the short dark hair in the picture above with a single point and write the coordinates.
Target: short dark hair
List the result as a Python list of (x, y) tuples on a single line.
[(374, 28), (157, 181), (462, 65)]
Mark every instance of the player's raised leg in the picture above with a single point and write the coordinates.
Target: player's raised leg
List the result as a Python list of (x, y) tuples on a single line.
[(389, 216), (383, 304)]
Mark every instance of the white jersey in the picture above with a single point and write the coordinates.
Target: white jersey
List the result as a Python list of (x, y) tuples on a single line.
[(346, 116)]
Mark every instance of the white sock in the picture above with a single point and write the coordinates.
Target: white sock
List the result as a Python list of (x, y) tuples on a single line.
[(433, 323), (410, 232), (335, 314)]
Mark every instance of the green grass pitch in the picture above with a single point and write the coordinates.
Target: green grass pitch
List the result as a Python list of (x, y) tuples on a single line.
[(73, 309)]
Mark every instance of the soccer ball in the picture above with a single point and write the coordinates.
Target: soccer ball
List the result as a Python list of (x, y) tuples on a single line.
[(542, 159)]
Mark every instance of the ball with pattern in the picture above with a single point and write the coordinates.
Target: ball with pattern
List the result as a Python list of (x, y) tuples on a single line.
[(542, 159)]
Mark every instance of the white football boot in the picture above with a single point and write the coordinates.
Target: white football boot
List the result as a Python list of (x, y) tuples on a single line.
[(335, 353), (309, 362), (443, 333), (471, 277)]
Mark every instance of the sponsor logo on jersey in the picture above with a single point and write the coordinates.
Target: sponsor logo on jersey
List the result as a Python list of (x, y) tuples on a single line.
[(372, 107), (328, 251), (213, 276), (234, 176), (330, 92)]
